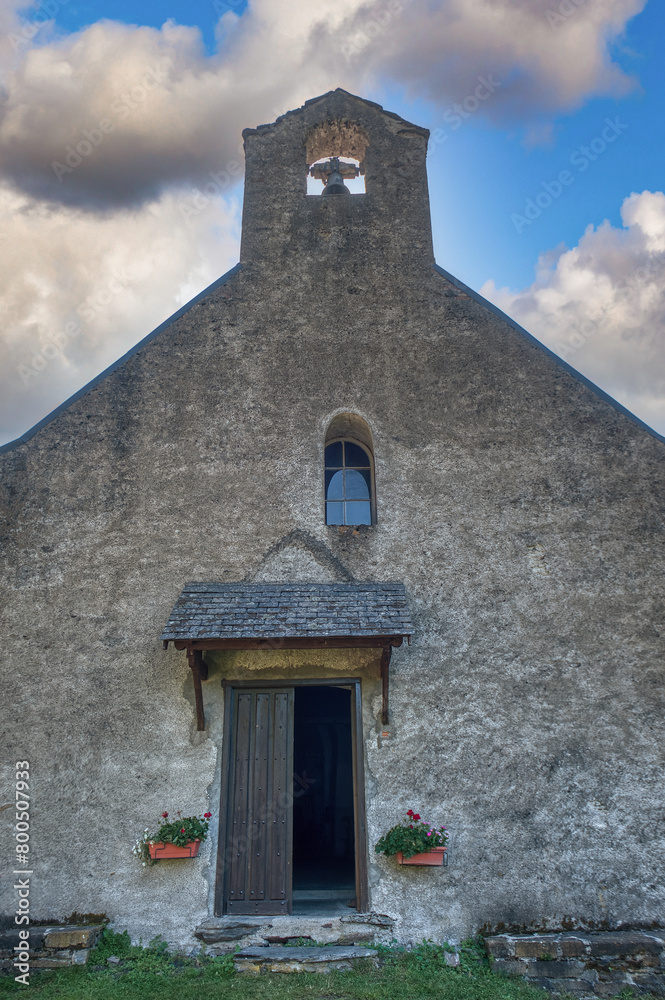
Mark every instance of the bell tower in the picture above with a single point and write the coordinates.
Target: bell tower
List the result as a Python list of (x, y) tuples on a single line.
[(336, 138)]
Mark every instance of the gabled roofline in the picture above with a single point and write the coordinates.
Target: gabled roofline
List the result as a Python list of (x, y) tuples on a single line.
[(330, 93), (118, 364), (546, 350), (11, 445)]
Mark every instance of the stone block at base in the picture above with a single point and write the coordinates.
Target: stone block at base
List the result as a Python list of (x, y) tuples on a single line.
[(52, 947), (584, 964), (71, 937)]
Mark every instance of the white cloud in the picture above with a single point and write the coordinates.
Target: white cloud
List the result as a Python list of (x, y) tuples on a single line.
[(601, 306), (173, 113), (78, 290), (439, 49)]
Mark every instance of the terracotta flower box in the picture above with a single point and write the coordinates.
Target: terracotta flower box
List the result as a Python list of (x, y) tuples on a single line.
[(159, 850), (433, 857)]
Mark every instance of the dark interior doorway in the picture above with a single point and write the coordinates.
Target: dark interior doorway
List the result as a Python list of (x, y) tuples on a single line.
[(323, 806)]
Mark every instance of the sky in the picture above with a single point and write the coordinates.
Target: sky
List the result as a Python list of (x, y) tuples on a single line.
[(546, 166)]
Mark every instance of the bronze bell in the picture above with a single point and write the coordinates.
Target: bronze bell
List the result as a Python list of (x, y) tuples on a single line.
[(335, 182)]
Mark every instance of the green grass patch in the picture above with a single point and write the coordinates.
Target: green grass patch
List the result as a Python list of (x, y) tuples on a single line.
[(153, 974)]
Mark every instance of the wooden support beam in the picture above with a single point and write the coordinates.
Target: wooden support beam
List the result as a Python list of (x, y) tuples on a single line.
[(385, 681), (200, 670), (195, 661), (203, 667), (298, 642)]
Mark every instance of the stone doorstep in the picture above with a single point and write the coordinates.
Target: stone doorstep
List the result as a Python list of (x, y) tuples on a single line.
[(214, 932), (281, 959), (345, 930), (359, 937), (375, 919)]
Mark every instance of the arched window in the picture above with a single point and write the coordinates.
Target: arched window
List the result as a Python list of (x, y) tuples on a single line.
[(349, 472)]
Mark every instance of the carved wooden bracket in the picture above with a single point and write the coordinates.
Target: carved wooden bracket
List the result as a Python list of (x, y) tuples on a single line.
[(199, 673), (385, 681)]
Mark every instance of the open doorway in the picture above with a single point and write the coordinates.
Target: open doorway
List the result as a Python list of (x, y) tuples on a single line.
[(324, 864), (292, 819)]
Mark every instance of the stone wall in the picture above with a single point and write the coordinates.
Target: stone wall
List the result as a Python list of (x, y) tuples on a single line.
[(522, 510), (593, 965), (50, 947)]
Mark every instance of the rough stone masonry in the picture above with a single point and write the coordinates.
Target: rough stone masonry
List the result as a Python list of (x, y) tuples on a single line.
[(520, 506)]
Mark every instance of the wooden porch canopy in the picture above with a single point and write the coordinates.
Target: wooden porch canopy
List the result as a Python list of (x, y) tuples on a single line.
[(287, 616)]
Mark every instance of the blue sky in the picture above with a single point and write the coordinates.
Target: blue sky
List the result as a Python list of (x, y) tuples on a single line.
[(553, 85), (202, 14)]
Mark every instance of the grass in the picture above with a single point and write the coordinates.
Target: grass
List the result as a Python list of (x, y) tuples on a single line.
[(153, 974)]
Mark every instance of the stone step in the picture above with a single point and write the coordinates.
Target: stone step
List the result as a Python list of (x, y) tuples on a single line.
[(222, 934), (276, 958)]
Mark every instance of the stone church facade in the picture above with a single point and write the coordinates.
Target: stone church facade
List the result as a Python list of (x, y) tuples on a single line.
[(400, 555)]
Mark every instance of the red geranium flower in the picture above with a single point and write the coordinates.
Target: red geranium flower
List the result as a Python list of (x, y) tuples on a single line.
[(183, 830), (409, 812), (164, 815), (207, 815), (416, 817)]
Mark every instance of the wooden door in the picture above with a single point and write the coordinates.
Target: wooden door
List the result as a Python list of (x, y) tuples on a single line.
[(256, 863)]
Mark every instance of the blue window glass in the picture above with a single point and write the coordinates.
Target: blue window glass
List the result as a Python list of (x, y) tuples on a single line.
[(334, 484), (356, 484), (334, 513), (335, 455), (358, 513), (355, 457), (348, 484)]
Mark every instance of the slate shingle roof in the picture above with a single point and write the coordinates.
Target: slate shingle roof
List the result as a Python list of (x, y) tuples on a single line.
[(288, 610)]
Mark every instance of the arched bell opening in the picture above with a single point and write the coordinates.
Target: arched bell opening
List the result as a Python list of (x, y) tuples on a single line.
[(335, 156)]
